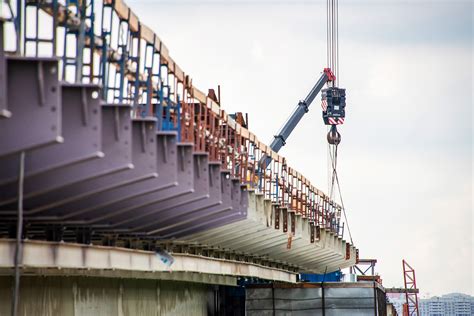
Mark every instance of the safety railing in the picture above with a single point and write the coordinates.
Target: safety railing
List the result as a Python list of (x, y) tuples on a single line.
[(104, 42)]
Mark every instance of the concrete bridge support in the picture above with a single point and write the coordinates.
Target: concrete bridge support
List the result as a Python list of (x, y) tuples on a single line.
[(87, 296)]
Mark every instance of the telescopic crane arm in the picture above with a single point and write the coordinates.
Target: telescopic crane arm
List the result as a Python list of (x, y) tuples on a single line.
[(333, 98), (301, 109)]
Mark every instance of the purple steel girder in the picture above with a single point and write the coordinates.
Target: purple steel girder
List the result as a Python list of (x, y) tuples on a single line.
[(81, 132), (116, 138), (238, 207), (36, 114), (75, 199), (138, 195), (112, 173), (200, 191)]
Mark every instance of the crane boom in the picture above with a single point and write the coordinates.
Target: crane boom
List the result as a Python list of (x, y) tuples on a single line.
[(301, 109)]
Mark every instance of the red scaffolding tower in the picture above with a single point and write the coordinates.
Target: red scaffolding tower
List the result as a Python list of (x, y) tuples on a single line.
[(411, 306)]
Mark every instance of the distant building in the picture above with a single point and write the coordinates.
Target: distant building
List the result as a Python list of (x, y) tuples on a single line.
[(397, 300), (454, 304)]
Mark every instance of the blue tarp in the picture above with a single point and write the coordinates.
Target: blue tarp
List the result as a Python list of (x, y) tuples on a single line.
[(328, 277)]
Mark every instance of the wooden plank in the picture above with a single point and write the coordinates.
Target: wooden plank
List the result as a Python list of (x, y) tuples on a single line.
[(214, 107), (238, 128), (256, 143), (244, 132), (134, 24), (121, 9), (199, 95), (164, 53), (170, 64), (158, 44), (251, 137), (231, 122), (148, 35), (305, 181), (254, 139)]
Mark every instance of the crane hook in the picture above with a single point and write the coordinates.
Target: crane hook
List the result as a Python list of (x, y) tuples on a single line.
[(334, 138)]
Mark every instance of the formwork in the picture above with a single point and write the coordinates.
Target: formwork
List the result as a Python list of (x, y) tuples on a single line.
[(326, 299)]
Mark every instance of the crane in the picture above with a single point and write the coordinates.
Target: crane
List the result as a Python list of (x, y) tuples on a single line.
[(333, 104), (333, 101), (301, 109)]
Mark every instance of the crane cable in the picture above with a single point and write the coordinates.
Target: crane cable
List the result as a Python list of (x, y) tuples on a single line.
[(332, 34), (335, 177), (332, 62), (332, 54), (332, 38)]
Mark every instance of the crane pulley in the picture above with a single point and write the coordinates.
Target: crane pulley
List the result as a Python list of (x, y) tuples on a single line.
[(334, 111), (333, 98)]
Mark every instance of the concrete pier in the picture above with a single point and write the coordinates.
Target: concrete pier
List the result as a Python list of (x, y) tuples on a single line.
[(86, 296)]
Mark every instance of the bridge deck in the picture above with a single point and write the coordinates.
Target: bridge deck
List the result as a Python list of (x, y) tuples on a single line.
[(105, 165)]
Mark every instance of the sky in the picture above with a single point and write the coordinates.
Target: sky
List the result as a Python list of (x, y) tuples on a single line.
[(405, 161)]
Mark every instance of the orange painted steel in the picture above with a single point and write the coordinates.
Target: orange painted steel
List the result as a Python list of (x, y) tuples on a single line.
[(411, 306)]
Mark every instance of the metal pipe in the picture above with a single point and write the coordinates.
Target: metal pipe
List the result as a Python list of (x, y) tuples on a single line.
[(19, 233)]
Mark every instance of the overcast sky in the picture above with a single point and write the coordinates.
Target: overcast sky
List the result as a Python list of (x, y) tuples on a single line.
[(405, 161)]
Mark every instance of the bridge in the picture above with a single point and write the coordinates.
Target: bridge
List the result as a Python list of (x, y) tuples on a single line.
[(114, 165)]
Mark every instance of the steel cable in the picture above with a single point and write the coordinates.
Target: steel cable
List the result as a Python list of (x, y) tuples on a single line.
[(336, 177), (332, 38)]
